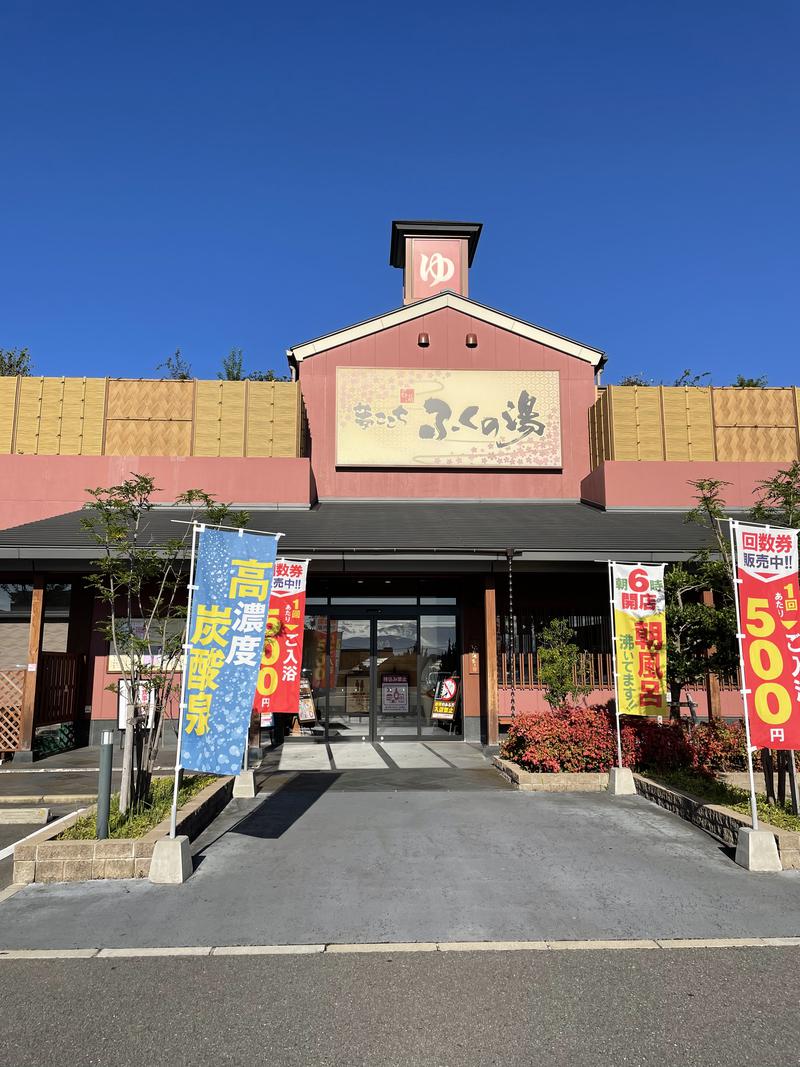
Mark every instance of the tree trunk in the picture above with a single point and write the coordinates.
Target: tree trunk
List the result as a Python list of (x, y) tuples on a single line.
[(782, 766), (769, 774), (675, 702), (793, 783), (126, 783)]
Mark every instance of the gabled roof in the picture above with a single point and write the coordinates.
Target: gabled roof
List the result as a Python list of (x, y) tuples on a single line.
[(447, 299)]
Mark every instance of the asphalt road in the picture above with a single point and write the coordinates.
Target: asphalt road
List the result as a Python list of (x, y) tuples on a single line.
[(691, 1008)]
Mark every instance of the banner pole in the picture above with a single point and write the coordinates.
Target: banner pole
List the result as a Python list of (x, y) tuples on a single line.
[(173, 819), (614, 658), (739, 636)]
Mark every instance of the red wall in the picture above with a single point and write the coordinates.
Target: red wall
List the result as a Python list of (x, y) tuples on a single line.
[(663, 484), (497, 349), (36, 487)]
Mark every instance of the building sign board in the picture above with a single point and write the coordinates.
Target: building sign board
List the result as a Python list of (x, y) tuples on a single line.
[(394, 694), (410, 417), (769, 633), (434, 264), (445, 699), (640, 633)]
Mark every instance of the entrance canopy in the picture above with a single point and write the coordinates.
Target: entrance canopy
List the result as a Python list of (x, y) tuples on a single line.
[(418, 530)]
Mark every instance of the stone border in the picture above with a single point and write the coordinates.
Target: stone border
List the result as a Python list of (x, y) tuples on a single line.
[(719, 821), (43, 859), (558, 782)]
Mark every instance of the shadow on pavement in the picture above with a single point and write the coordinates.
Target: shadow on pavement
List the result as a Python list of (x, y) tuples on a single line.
[(285, 806)]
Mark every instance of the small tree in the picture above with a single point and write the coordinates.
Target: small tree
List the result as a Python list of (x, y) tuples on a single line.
[(750, 383), (232, 366), (635, 379), (15, 361), (266, 376), (559, 657), (701, 637), (142, 585), (176, 367), (777, 503), (688, 377)]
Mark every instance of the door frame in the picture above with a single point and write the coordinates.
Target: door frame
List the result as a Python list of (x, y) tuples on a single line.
[(372, 614)]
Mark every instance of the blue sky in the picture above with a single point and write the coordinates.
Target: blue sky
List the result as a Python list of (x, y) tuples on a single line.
[(206, 175)]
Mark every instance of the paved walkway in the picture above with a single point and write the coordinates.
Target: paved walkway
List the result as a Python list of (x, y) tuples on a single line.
[(69, 776), (421, 855), (403, 755)]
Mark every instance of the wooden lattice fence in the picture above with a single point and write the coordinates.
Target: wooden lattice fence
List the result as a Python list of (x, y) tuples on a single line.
[(11, 684)]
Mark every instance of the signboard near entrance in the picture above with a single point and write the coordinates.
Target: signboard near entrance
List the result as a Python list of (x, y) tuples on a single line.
[(445, 699), (394, 694), (278, 686), (769, 632), (406, 417)]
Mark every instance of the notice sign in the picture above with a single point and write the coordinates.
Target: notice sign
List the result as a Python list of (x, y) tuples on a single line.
[(769, 633), (232, 582), (394, 694), (408, 417), (306, 711), (278, 686), (445, 699), (640, 639)]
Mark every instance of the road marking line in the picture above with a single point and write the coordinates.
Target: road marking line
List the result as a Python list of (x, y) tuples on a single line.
[(492, 946), (184, 950), (399, 946), (47, 953), (620, 944), (725, 942), (615, 945), (267, 950)]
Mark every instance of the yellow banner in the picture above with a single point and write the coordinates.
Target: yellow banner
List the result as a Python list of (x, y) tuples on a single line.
[(640, 625)]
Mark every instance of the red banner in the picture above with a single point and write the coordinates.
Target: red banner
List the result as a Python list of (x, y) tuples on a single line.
[(278, 686), (769, 633)]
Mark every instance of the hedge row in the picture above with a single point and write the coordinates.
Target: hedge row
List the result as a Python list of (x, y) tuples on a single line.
[(584, 739)]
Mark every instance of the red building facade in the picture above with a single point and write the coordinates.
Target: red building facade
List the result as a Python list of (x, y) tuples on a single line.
[(434, 463)]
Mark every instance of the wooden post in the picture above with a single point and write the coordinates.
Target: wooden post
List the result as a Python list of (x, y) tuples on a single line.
[(34, 647), (713, 697), (490, 635)]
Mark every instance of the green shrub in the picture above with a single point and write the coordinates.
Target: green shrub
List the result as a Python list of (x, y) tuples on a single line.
[(140, 820)]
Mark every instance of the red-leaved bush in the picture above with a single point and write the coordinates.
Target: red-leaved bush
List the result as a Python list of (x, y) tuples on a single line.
[(575, 739)]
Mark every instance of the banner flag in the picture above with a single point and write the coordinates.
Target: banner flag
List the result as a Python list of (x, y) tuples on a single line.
[(278, 685), (228, 619), (640, 639), (766, 571)]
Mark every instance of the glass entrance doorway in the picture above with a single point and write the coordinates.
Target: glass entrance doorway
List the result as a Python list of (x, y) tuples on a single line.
[(374, 676)]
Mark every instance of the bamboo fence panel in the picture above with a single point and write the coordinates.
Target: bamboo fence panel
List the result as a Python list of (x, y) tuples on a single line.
[(756, 425), (680, 423), (121, 417), (260, 418), (8, 410), (153, 437), (233, 407)]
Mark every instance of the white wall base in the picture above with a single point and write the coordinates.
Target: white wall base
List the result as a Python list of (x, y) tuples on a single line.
[(620, 782), (757, 850), (172, 861)]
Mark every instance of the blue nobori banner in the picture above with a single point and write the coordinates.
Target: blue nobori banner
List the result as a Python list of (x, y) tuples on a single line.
[(232, 583)]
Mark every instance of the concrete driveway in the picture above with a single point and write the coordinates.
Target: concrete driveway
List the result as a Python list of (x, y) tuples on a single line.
[(422, 855)]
